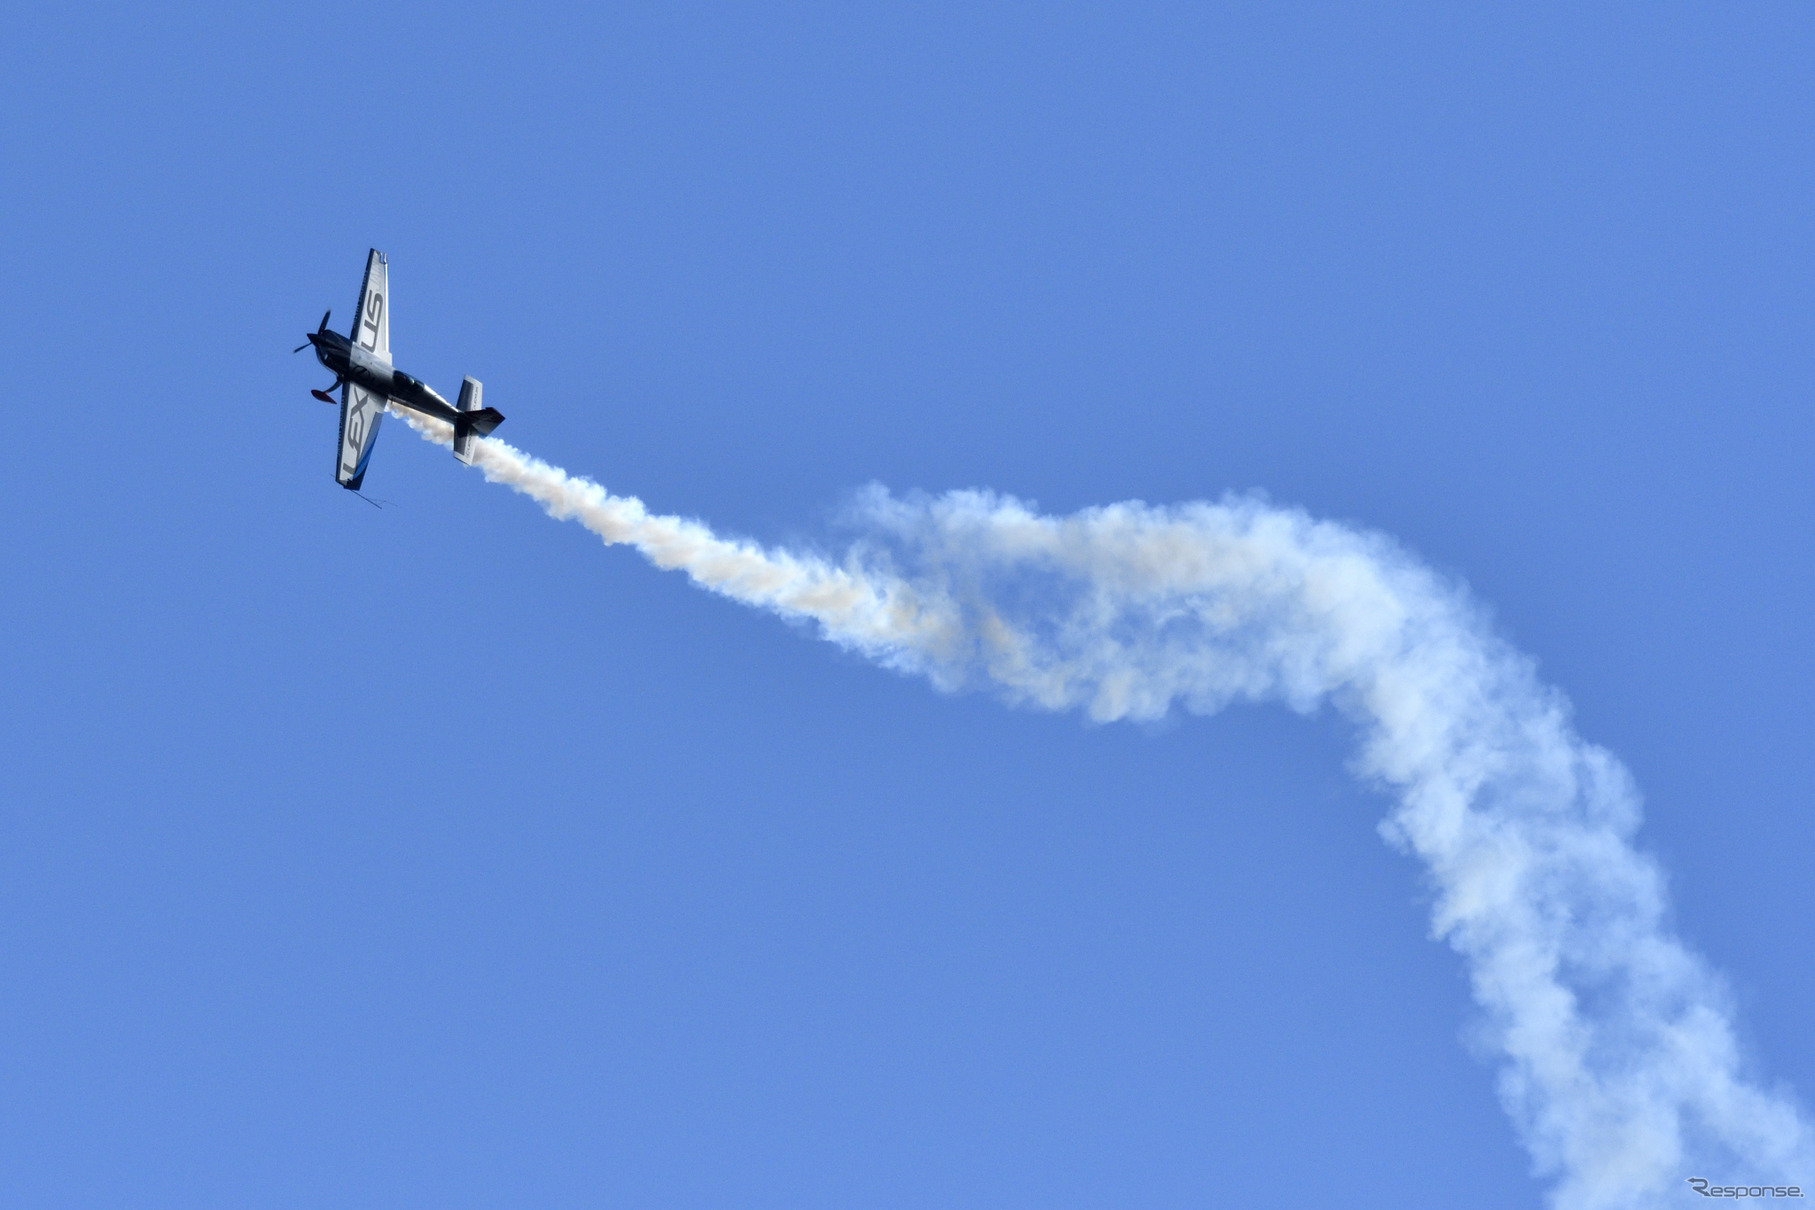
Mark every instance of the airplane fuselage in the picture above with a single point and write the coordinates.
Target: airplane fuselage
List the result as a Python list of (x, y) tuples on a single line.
[(352, 363)]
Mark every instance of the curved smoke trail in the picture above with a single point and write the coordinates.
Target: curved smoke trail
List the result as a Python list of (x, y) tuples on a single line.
[(1620, 1065)]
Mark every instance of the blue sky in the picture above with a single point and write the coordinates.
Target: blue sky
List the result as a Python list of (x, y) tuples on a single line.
[(434, 855)]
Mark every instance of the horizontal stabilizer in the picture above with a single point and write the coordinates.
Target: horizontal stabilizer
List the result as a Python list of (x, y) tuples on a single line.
[(473, 421), (483, 421)]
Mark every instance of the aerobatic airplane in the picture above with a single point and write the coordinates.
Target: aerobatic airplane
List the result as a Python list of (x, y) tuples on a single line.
[(362, 371)]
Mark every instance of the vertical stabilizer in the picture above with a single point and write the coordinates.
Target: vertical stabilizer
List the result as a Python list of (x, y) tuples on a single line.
[(470, 391)]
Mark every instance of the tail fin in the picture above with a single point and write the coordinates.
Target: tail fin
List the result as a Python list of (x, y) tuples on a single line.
[(474, 421)]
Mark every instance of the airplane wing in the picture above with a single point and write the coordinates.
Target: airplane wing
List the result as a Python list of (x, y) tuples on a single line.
[(361, 409), (360, 412), (372, 322)]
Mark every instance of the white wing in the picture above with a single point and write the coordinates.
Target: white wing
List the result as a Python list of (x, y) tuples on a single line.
[(372, 322), (360, 412)]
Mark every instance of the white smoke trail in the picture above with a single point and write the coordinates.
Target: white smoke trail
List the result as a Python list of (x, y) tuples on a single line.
[(1620, 1066)]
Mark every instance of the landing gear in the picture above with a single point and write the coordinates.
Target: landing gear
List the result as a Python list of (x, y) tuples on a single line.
[(324, 396)]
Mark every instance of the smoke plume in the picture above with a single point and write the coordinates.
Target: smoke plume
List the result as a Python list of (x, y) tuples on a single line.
[(1618, 1059)]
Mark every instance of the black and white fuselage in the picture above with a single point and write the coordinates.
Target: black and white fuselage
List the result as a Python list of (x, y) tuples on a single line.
[(352, 364)]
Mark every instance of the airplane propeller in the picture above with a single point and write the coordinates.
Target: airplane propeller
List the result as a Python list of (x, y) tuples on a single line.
[(321, 395), (324, 327)]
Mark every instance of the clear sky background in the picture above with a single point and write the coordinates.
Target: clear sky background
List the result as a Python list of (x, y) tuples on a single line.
[(436, 856)]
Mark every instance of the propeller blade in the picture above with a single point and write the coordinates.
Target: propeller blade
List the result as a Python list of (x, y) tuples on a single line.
[(299, 348), (324, 320)]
